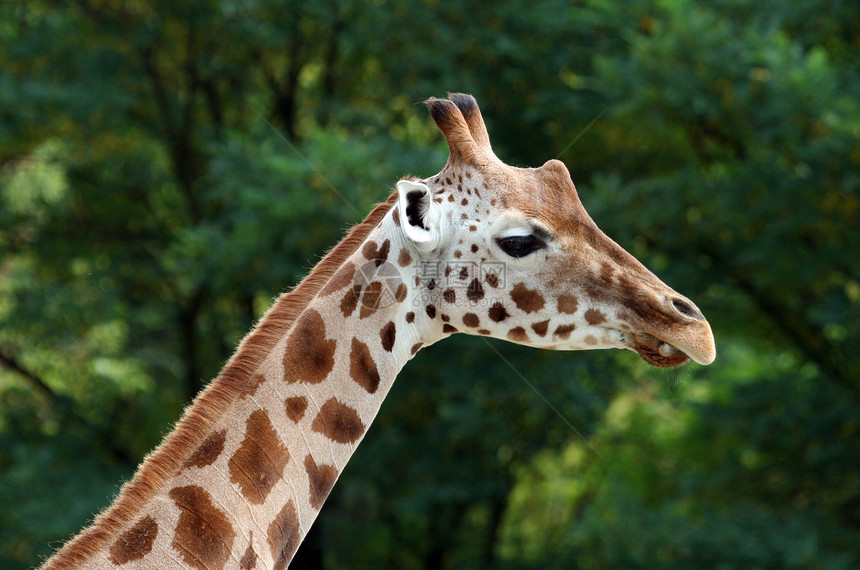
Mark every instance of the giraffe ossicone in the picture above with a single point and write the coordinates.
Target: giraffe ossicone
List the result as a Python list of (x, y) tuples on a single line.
[(481, 248)]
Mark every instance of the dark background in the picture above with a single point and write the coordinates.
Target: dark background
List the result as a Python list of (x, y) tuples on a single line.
[(166, 168)]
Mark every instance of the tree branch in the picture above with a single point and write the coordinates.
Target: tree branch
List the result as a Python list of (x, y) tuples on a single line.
[(188, 318), (8, 360), (102, 437), (157, 83), (183, 158)]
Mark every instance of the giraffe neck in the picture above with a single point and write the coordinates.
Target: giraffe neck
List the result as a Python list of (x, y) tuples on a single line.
[(318, 392), (248, 492), (292, 431)]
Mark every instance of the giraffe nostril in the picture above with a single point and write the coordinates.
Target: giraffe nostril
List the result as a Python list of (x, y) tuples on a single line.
[(687, 309)]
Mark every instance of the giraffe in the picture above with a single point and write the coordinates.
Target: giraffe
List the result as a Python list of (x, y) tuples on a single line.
[(481, 248)]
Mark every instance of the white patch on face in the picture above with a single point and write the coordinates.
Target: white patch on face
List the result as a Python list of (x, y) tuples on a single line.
[(515, 231), (509, 223)]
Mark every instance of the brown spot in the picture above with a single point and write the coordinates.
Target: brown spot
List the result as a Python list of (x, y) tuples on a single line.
[(431, 285), (296, 407), (395, 215), (492, 280), (475, 292), (448, 329), (471, 320), (474, 248), (527, 300), (260, 460), (416, 346), (541, 327), (370, 251), (498, 313), (208, 451), (483, 331), (447, 270), (590, 340), (404, 258), (387, 334), (437, 200), (339, 280), (250, 385), (321, 479), (135, 543), (338, 422), (450, 197), (518, 334), (310, 356), (370, 300), (284, 536), (249, 559), (606, 273), (563, 331), (458, 254), (448, 181), (204, 535), (567, 304), (628, 286), (473, 228), (362, 367), (431, 311), (410, 317), (450, 296), (464, 273), (594, 317), (464, 202), (400, 293), (350, 300)]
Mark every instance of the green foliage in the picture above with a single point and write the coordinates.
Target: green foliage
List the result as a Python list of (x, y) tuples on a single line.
[(736, 474), (166, 168)]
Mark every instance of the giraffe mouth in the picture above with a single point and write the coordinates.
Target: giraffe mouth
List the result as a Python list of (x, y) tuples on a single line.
[(657, 352)]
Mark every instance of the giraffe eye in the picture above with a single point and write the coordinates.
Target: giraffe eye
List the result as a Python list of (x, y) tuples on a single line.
[(520, 246)]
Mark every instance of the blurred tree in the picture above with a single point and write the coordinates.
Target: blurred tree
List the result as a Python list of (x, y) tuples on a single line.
[(169, 167)]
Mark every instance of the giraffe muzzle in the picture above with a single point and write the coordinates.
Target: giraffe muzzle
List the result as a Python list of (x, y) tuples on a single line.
[(694, 341)]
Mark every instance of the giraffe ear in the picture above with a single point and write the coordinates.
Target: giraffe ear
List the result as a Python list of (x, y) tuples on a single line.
[(419, 215)]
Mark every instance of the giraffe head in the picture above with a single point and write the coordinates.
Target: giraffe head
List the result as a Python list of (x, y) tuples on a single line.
[(511, 253)]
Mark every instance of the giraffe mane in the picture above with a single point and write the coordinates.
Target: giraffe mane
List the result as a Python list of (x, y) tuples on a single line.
[(163, 462)]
